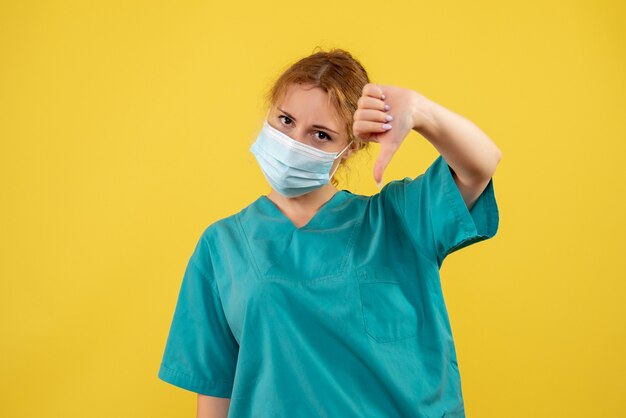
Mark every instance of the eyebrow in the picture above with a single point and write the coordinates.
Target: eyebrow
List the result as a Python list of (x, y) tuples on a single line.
[(315, 126)]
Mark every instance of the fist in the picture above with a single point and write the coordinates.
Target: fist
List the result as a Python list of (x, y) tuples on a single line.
[(385, 115)]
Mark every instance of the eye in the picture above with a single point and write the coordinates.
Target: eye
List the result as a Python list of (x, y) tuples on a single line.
[(283, 116), (327, 136), (324, 138)]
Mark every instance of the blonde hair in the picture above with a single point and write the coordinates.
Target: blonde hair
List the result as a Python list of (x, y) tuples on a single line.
[(336, 72)]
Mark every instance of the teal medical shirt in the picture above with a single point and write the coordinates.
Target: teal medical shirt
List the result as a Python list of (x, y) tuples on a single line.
[(343, 317)]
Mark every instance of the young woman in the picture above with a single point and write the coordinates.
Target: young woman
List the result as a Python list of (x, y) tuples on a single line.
[(318, 302)]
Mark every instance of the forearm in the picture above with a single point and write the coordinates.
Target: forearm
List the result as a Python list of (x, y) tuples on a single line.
[(212, 407), (466, 148)]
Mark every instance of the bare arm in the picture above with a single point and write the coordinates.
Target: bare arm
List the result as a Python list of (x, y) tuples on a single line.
[(212, 407), (471, 154)]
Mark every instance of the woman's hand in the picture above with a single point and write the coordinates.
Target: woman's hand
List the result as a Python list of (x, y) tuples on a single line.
[(387, 126)]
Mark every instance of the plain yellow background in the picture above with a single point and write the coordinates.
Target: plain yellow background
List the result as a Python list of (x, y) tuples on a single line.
[(125, 129)]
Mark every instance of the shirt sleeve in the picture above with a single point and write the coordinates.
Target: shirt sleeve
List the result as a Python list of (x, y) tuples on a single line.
[(435, 215), (201, 351)]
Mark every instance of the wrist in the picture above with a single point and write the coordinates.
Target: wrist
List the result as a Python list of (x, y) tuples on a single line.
[(422, 112)]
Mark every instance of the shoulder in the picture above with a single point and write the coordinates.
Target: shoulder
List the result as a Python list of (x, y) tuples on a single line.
[(215, 237), (226, 227)]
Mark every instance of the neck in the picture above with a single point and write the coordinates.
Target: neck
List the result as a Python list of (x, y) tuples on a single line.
[(307, 202)]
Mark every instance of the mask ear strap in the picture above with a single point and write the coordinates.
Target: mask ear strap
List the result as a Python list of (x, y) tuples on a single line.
[(335, 170), (347, 146)]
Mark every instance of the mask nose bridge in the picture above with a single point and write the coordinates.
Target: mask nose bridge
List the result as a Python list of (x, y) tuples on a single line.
[(295, 138), (303, 141)]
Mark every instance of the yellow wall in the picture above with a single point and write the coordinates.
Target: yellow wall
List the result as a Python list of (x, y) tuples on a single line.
[(125, 129)]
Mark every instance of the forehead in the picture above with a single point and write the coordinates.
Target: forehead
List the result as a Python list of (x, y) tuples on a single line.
[(309, 105)]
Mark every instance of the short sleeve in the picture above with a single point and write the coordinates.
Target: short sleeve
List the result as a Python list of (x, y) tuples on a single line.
[(435, 214), (201, 351)]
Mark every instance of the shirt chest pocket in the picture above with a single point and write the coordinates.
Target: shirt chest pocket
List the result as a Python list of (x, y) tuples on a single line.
[(390, 304)]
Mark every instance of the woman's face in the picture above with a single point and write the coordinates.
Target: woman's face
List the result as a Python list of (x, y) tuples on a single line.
[(305, 116)]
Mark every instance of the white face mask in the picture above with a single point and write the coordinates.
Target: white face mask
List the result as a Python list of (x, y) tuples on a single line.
[(291, 167)]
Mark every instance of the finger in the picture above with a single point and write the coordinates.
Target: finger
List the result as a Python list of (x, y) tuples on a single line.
[(360, 127), (367, 102), (386, 153), (372, 115), (373, 90)]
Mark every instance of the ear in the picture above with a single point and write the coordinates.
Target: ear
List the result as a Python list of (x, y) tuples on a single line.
[(349, 151)]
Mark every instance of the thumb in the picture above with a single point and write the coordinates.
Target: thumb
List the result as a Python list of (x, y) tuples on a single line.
[(386, 153)]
